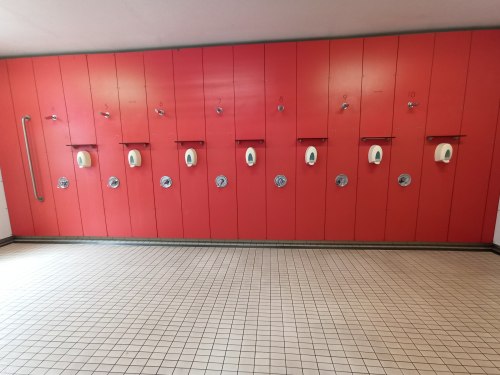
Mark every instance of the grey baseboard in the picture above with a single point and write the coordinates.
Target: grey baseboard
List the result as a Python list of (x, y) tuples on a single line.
[(261, 244), (6, 241)]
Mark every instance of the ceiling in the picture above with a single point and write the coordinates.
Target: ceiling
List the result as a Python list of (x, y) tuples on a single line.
[(30, 27)]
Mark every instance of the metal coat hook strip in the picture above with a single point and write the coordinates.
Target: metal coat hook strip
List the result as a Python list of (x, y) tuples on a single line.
[(28, 153)]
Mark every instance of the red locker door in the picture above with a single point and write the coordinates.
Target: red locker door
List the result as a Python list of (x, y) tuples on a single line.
[(313, 60), (11, 162), (379, 71), (476, 150), (250, 122), (163, 132), (190, 110), (377, 103), (346, 62), (281, 138), (219, 112), (410, 110), (102, 72), (492, 202), (25, 100), (75, 80), (57, 137), (135, 126), (446, 95)]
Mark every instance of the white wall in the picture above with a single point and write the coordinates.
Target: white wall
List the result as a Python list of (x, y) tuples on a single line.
[(5, 230), (496, 238)]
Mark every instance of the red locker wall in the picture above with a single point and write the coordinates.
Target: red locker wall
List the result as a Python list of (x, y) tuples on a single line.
[(281, 138), (159, 71), (190, 109), (446, 96), (346, 62), (102, 72), (11, 163), (313, 64), (250, 122), (476, 149), (220, 131), (25, 101), (57, 137), (135, 126), (377, 101), (412, 86), (76, 85)]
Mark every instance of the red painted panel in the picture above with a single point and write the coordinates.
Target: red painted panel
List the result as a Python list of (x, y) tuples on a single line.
[(343, 136), (311, 190), (190, 110), (60, 157), (131, 88), (476, 150), (163, 132), (412, 85), (281, 138), (219, 93), (135, 127), (194, 193), (75, 80), (446, 96), (25, 100), (11, 162), (189, 96), (251, 192), (379, 70), (377, 101), (102, 71), (492, 202), (449, 75), (312, 88), (249, 92)]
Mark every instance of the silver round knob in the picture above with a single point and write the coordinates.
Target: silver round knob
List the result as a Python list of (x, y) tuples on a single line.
[(344, 106), (280, 180), (341, 180), (113, 182), (281, 107), (404, 179), (62, 183), (221, 181), (165, 182)]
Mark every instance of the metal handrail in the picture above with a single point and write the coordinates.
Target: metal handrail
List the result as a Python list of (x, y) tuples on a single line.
[(30, 164)]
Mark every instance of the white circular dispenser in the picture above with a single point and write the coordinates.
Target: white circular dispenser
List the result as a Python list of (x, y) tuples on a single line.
[(134, 158), (83, 159), (191, 157), (375, 154), (250, 156), (311, 155), (443, 153)]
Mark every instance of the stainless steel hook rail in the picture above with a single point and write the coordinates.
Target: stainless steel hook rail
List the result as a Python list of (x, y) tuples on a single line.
[(30, 164)]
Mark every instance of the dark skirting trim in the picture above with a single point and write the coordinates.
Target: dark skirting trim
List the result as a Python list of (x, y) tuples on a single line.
[(495, 248), (6, 241), (261, 244)]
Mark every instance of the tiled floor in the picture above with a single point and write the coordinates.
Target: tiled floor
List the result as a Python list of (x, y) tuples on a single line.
[(96, 309)]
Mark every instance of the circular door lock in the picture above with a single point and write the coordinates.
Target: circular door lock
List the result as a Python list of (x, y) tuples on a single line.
[(219, 110), (404, 179), (341, 180), (113, 182), (281, 107), (221, 181), (280, 181), (165, 182), (62, 183)]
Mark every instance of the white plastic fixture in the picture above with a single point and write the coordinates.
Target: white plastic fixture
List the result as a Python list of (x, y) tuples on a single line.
[(311, 155), (191, 157), (443, 153), (83, 159), (250, 156), (375, 154), (134, 158)]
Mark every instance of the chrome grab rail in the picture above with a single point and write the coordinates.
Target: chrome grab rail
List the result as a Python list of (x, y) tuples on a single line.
[(30, 165)]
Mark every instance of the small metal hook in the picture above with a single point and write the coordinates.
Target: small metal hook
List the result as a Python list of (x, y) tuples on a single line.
[(105, 114), (160, 112), (219, 110), (344, 106), (411, 105), (51, 117)]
